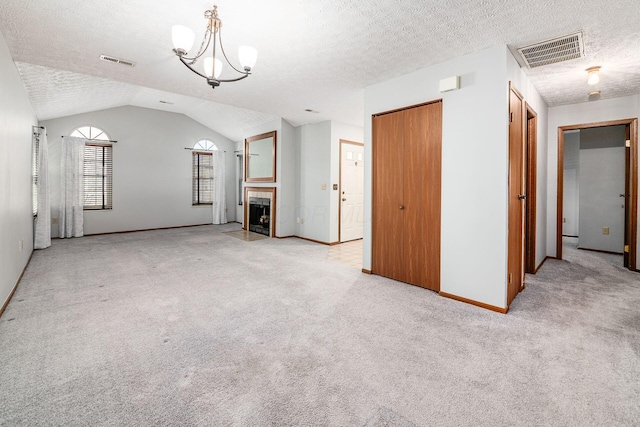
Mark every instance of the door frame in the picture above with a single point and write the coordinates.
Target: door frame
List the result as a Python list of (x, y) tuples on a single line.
[(343, 141), (631, 204), (515, 286), (531, 165)]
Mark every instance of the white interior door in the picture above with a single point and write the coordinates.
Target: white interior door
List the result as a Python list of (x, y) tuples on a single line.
[(351, 191)]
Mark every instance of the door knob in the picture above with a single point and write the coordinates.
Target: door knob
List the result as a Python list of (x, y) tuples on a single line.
[(521, 197), (344, 200), (401, 207), (622, 195)]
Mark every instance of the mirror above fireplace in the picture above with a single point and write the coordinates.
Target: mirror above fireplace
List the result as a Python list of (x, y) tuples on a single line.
[(260, 158)]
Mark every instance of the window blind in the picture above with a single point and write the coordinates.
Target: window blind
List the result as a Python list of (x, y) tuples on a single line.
[(202, 176), (98, 176)]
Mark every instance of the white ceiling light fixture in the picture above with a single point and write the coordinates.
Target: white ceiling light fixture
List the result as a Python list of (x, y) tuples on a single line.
[(183, 39), (593, 75)]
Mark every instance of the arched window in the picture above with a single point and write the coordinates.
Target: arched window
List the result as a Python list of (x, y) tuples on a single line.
[(90, 132), (204, 145), (98, 168), (202, 172)]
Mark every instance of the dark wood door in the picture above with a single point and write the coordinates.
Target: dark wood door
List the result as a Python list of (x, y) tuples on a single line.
[(516, 196), (387, 230), (422, 189), (407, 153)]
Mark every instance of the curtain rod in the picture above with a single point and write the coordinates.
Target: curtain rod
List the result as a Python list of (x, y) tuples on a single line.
[(93, 140), (205, 151)]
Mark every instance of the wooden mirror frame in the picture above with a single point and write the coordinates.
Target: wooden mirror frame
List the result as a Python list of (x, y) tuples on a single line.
[(247, 152)]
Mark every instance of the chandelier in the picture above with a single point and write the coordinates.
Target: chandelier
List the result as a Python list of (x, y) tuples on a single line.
[(183, 39)]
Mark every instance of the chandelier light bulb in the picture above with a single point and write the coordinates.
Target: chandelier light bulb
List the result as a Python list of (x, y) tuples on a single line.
[(593, 75), (247, 56), (209, 68), (183, 38)]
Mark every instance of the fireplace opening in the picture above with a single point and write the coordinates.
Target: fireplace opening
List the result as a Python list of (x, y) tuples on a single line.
[(260, 215)]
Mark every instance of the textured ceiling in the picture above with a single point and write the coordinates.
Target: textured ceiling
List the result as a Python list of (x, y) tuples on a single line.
[(311, 54), (55, 93)]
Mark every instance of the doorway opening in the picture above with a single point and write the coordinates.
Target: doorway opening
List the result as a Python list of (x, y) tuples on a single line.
[(610, 188), (351, 203), (531, 177)]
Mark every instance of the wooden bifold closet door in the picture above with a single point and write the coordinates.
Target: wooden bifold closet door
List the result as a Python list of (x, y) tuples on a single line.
[(407, 157)]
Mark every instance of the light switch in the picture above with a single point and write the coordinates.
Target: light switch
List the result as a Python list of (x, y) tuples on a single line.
[(324, 186), (605, 230)]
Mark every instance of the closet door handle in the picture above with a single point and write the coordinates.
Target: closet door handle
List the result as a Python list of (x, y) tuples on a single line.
[(401, 207), (521, 197)]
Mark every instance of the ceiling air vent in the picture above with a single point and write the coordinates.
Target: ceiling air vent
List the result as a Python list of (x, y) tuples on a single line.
[(551, 51), (117, 60)]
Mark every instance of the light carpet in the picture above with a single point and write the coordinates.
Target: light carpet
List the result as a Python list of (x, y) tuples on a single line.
[(194, 327)]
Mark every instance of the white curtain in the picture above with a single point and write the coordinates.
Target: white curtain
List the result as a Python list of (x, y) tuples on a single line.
[(71, 187), (219, 196), (42, 238)]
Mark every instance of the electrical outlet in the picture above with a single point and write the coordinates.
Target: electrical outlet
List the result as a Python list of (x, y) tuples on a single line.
[(605, 230), (564, 220), (20, 245)]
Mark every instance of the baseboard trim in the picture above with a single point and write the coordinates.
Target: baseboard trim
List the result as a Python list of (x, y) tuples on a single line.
[(315, 241), (476, 303), (542, 263), (15, 287), (147, 229), (601, 251), (365, 271)]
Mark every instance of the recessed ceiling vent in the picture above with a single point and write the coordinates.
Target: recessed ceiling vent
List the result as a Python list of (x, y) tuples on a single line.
[(551, 51), (117, 60)]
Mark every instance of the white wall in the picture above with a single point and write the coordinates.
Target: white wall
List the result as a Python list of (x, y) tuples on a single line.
[(474, 168), (318, 165), (601, 181), (16, 221), (571, 193), (151, 169), (313, 203), (516, 75), (602, 176), (288, 181), (565, 115)]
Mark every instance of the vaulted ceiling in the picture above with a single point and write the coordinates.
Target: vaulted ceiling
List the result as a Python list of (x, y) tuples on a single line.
[(312, 54)]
